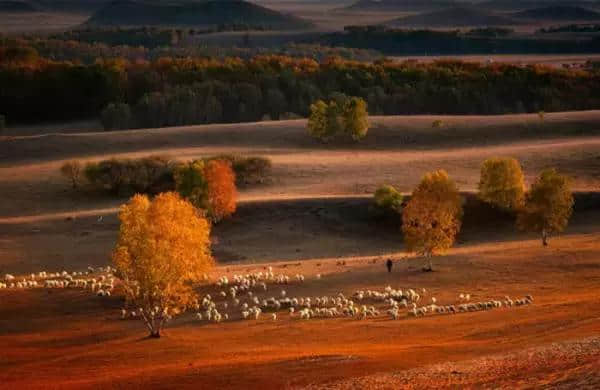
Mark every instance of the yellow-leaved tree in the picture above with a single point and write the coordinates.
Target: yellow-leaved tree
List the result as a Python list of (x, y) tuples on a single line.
[(356, 118), (548, 205), (163, 247), (501, 183), (432, 217), (342, 115)]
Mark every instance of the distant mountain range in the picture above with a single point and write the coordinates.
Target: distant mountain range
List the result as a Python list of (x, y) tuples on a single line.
[(558, 13), (500, 5), (453, 17), (466, 16), (188, 13), (16, 6)]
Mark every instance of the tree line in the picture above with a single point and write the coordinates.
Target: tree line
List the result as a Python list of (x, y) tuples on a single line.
[(432, 217), (176, 91)]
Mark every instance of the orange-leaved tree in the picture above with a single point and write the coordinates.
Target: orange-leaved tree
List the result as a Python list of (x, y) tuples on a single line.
[(222, 192), (432, 217), (501, 183), (209, 185), (548, 205), (163, 247)]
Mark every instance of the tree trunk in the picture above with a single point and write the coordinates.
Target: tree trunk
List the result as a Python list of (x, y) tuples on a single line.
[(544, 237), (429, 266)]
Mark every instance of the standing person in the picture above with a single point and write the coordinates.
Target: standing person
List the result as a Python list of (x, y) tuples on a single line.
[(389, 265)]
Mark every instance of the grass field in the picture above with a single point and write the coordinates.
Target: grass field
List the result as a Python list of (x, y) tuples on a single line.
[(312, 217)]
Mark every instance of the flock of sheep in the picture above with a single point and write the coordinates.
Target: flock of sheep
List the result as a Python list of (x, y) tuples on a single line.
[(100, 280), (242, 294)]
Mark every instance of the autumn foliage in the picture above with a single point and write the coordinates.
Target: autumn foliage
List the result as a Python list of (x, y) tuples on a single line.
[(341, 116), (222, 192), (548, 205), (502, 183), (208, 185), (432, 217), (163, 246)]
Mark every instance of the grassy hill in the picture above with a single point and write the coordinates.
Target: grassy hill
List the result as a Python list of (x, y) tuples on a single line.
[(455, 17), (205, 13), (558, 13)]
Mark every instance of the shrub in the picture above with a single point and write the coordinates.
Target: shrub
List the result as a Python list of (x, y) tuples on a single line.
[(432, 217), (437, 124), (501, 183), (548, 205), (388, 200), (149, 175), (71, 170), (116, 116), (163, 245)]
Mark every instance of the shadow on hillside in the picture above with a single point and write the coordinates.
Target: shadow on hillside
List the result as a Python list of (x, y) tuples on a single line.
[(342, 227)]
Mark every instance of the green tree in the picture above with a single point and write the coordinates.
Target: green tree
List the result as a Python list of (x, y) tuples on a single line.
[(276, 103), (501, 183), (548, 205), (432, 217), (388, 199), (116, 116), (214, 110), (191, 183)]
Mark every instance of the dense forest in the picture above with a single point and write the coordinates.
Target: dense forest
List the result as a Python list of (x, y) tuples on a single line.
[(176, 91), (432, 42)]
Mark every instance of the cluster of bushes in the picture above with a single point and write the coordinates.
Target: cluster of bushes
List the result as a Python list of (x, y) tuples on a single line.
[(154, 174), (208, 184), (341, 116), (431, 218), (124, 177), (171, 91)]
